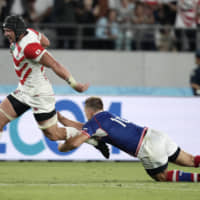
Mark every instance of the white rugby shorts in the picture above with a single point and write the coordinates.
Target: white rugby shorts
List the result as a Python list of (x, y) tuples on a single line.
[(41, 103), (155, 149)]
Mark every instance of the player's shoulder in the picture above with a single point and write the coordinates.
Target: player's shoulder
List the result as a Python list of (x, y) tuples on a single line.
[(102, 117), (103, 114), (32, 36), (33, 31)]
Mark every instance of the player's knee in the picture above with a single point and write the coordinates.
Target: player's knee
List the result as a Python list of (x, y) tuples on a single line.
[(2, 124), (161, 177), (4, 119)]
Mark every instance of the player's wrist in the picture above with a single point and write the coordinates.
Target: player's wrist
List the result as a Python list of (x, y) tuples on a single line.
[(71, 81)]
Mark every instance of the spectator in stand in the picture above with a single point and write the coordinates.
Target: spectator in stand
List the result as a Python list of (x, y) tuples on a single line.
[(65, 17), (103, 7), (3, 6), (124, 18), (17, 7), (125, 11), (198, 26), (143, 16), (13, 7), (2, 15), (87, 13), (114, 4), (41, 11), (169, 7), (108, 32), (165, 13), (165, 39), (186, 24), (195, 76), (164, 16)]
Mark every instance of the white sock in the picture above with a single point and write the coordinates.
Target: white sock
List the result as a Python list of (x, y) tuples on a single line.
[(72, 132), (92, 141)]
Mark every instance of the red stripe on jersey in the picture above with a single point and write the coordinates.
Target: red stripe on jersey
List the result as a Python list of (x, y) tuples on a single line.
[(18, 48), (85, 133), (19, 72), (189, 18), (33, 50), (25, 76), (37, 33), (187, 21), (17, 62), (189, 10)]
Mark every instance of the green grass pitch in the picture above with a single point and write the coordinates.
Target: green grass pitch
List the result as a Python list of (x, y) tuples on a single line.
[(88, 181)]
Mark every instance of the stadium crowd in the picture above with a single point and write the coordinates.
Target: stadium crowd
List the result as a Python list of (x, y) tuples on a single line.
[(165, 25)]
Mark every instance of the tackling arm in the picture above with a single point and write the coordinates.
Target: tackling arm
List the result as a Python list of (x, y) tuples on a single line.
[(73, 143), (67, 122)]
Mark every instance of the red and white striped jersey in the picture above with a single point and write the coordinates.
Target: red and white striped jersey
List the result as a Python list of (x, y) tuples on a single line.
[(186, 13), (26, 54)]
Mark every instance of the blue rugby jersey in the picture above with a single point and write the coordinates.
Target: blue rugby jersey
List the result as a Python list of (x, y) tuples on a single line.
[(116, 131)]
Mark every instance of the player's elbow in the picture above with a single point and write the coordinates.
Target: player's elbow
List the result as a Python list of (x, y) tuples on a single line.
[(45, 41)]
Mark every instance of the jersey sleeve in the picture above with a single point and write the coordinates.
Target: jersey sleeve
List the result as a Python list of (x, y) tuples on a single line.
[(89, 129), (34, 51)]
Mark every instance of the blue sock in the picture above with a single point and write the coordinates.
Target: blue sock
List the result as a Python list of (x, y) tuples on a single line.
[(179, 176)]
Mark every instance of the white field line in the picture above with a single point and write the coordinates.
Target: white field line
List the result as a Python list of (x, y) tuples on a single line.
[(181, 187)]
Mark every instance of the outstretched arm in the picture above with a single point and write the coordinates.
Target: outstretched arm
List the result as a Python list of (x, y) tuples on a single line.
[(48, 61), (67, 122), (73, 143)]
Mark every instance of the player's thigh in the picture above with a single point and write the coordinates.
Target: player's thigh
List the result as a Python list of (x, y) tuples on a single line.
[(185, 159), (47, 122), (55, 133), (7, 112), (153, 152), (8, 108)]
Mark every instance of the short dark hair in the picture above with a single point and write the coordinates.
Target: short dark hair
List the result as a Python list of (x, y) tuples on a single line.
[(95, 103)]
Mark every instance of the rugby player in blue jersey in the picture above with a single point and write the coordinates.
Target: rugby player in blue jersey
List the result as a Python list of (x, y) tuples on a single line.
[(153, 148)]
